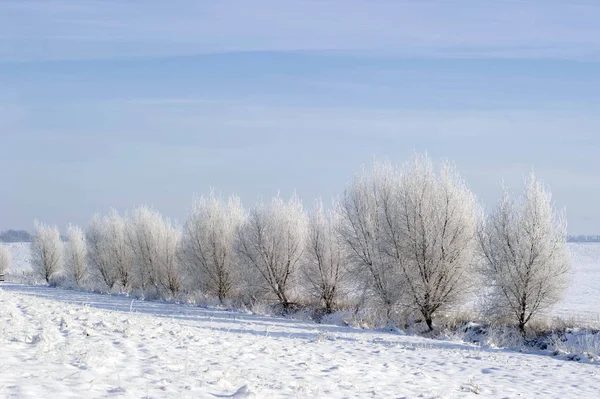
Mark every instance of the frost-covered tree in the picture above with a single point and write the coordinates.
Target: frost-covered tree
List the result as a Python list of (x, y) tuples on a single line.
[(5, 259), (76, 254), (525, 258), (109, 254), (99, 252), (120, 251), (271, 243), (46, 251), (411, 235), (155, 241), (324, 269), (361, 227), (207, 250), (430, 231)]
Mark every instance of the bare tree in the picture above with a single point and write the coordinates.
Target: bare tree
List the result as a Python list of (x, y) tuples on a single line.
[(207, 244), (362, 230), (155, 242), (430, 230), (46, 251), (525, 260), (76, 254), (271, 243), (324, 269), (5, 259)]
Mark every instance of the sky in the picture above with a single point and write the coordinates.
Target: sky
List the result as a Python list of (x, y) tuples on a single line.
[(122, 103)]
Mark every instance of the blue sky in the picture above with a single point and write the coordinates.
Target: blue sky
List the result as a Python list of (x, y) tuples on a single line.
[(115, 103)]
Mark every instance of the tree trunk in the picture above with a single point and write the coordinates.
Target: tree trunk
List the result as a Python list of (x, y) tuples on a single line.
[(429, 322), (522, 328)]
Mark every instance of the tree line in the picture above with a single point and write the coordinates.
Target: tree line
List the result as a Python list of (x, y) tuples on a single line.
[(15, 236), (412, 238)]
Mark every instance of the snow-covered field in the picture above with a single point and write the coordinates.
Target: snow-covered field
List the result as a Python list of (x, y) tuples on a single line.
[(21, 253), (582, 299), (76, 344)]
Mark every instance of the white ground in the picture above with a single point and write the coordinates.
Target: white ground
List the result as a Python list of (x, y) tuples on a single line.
[(21, 253), (56, 343), (582, 299), (74, 344)]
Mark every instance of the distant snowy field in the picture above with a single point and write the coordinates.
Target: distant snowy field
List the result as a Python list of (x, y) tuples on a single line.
[(580, 303), (21, 253), (582, 300), (77, 344)]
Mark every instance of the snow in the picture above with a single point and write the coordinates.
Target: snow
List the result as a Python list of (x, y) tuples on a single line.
[(75, 344), (79, 344), (583, 295), (579, 304), (20, 252)]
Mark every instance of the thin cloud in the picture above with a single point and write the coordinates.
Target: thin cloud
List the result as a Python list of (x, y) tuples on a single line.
[(46, 30)]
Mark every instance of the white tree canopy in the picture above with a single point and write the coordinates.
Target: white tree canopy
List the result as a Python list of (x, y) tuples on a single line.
[(525, 258)]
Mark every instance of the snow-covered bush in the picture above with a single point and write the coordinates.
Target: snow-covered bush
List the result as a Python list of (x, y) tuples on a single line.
[(154, 242), (5, 259), (207, 252), (47, 251), (76, 254), (577, 344), (324, 265), (525, 260), (270, 244)]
